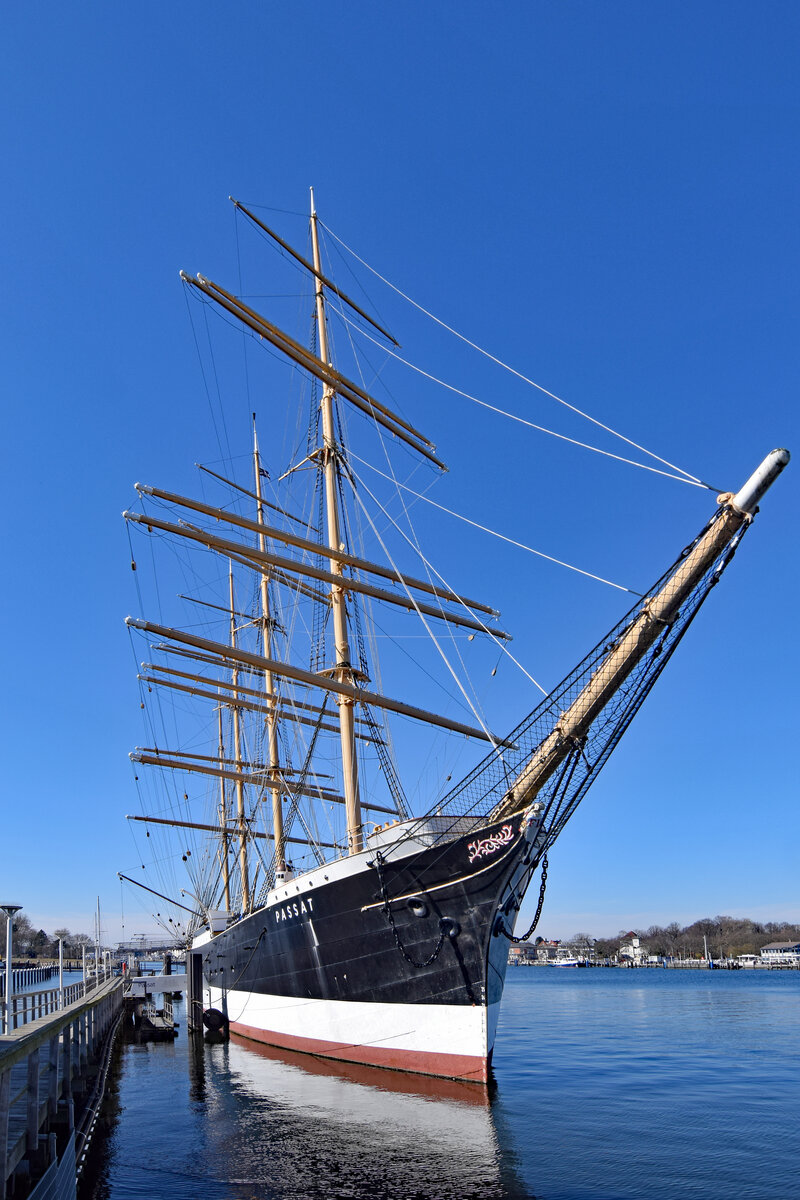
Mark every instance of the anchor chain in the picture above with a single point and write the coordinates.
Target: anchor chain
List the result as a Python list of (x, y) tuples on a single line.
[(539, 906), (445, 927)]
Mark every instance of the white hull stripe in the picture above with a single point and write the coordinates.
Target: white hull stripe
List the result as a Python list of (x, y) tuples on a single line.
[(434, 1039)]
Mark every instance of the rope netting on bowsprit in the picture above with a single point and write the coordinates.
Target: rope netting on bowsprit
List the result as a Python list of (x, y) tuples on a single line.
[(560, 748)]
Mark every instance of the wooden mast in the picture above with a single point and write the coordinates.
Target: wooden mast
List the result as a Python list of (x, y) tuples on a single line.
[(343, 670), (272, 715), (237, 754), (223, 817)]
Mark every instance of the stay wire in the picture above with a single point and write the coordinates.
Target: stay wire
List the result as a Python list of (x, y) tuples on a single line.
[(203, 372), (513, 371), (229, 459), (486, 628), (415, 545), (244, 338), (494, 533), (497, 748), (562, 437)]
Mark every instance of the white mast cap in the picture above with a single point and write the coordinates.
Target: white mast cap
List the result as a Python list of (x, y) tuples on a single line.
[(747, 498)]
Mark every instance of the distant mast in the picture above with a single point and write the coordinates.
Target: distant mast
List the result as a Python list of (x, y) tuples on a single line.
[(343, 668), (269, 684), (223, 816), (237, 751)]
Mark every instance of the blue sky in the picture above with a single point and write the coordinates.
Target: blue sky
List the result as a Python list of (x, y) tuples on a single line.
[(605, 196)]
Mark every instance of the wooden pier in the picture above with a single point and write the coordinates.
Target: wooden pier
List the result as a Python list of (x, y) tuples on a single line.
[(144, 1020), (52, 1074)]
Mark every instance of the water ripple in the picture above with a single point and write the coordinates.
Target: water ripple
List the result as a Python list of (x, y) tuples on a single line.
[(610, 1085)]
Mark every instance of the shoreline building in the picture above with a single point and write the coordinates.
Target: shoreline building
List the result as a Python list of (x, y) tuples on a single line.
[(633, 950), (781, 954)]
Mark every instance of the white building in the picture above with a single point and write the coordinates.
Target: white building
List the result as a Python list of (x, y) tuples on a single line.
[(633, 950), (781, 954), (546, 951)]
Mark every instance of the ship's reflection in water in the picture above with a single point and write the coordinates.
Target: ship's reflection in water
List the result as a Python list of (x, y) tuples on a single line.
[(598, 1072), (288, 1125)]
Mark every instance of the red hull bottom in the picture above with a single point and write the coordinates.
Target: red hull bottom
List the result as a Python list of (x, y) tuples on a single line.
[(445, 1066)]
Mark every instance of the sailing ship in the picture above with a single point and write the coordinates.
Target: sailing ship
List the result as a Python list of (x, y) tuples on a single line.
[(332, 915)]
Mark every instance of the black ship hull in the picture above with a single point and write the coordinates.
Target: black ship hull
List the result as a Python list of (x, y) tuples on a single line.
[(393, 957)]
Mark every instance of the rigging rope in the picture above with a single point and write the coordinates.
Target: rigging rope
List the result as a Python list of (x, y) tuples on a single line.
[(688, 477), (485, 528), (487, 787), (562, 437), (474, 710), (382, 749), (486, 628)]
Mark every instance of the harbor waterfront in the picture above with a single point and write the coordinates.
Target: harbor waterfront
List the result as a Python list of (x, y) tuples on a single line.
[(607, 1085)]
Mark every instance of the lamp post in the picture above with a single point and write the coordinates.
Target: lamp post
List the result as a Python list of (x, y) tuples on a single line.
[(9, 910), (60, 973), (97, 948)]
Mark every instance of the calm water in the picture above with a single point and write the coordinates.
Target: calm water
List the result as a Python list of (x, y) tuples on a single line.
[(609, 1084)]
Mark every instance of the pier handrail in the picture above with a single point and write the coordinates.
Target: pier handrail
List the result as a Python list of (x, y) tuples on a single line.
[(38, 1124), (29, 1006), (19, 1043)]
